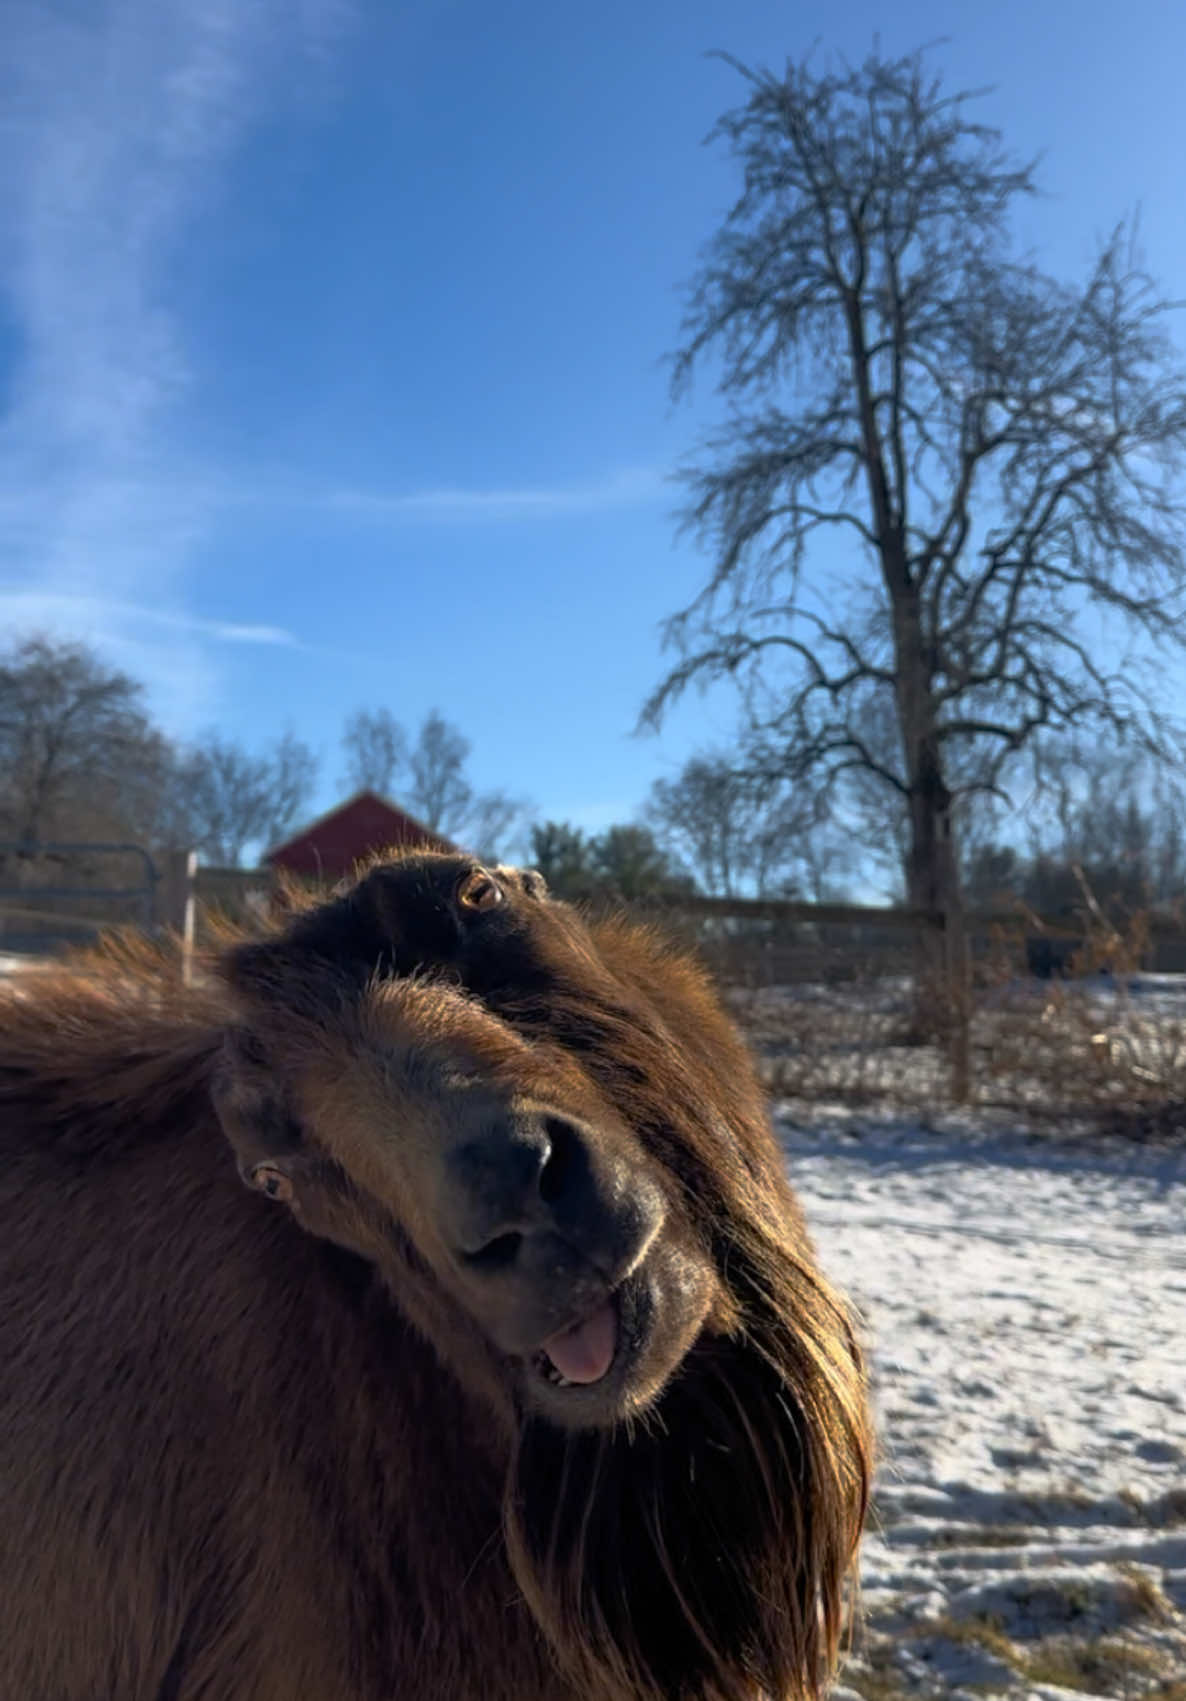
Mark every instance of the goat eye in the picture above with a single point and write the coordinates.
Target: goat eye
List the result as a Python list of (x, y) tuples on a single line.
[(479, 891), (273, 1182)]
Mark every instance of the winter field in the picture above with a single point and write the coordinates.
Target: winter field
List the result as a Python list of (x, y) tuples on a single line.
[(1023, 1299)]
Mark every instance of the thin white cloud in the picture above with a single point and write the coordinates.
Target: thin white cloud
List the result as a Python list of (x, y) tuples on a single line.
[(229, 632), (60, 611), (167, 650), (116, 119), (628, 488), (596, 817)]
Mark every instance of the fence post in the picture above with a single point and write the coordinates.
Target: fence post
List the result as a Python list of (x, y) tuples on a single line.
[(178, 903), (190, 918)]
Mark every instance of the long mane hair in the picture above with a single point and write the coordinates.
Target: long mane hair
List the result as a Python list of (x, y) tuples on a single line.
[(703, 1549)]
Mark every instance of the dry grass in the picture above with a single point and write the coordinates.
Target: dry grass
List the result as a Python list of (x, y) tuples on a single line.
[(874, 1676), (981, 1536), (1087, 1049), (1087, 1046), (848, 1045), (1113, 1666), (983, 1633), (1146, 1597), (1110, 1665), (1166, 1510)]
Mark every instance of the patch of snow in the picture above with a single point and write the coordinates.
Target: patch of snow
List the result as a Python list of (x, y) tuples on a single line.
[(1024, 1305)]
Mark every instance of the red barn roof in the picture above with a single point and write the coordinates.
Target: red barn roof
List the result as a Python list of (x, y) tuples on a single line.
[(328, 848)]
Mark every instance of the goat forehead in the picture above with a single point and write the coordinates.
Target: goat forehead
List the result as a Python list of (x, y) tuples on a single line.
[(412, 1050), (433, 1026)]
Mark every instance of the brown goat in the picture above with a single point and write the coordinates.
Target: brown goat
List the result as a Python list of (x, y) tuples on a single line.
[(509, 1376)]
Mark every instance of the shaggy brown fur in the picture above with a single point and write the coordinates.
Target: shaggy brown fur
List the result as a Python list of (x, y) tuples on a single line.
[(255, 1451)]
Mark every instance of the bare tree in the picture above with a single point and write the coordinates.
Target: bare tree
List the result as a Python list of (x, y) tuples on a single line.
[(494, 824), (225, 790), (439, 793), (292, 774), (1101, 815), (81, 760), (704, 816), (994, 454), (376, 749), (878, 813), (79, 757), (236, 800), (740, 835)]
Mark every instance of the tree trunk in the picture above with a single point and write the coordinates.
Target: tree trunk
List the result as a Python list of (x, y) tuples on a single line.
[(941, 973)]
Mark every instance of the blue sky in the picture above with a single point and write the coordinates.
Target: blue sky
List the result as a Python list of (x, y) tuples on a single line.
[(330, 337)]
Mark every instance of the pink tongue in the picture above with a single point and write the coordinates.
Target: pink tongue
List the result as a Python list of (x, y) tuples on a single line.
[(585, 1353)]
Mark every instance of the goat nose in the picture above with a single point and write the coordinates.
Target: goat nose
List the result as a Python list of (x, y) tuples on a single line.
[(510, 1180)]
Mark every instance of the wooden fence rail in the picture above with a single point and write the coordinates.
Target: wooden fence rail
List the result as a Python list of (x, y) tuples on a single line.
[(755, 936)]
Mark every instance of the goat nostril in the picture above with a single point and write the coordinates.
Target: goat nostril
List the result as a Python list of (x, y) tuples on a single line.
[(558, 1166), (498, 1253)]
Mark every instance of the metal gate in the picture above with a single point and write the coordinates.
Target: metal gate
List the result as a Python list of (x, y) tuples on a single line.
[(55, 894)]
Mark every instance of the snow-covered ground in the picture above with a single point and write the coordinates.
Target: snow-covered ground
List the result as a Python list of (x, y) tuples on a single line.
[(1024, 1303)]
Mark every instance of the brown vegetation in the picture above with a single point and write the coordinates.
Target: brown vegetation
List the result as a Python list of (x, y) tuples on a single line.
[(1098, 1046), (509, 1374)]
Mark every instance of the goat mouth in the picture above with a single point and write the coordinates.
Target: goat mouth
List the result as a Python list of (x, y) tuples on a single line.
[(583, 1353), (604, 1348)]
